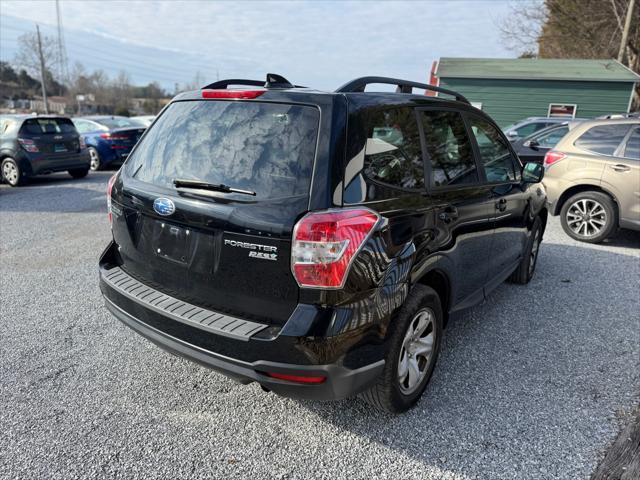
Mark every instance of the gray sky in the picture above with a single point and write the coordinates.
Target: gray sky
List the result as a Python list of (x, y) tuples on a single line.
[(318, 44)]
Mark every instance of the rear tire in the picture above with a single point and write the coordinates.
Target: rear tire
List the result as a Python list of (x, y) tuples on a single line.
[(11, 172), (527, 267), (410, 350), (79, 172), (589, 216), (95, 164)]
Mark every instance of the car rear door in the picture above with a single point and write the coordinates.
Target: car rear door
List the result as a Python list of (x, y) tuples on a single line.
[(500, 172), (621, 176), (461, 204), (228, 252)]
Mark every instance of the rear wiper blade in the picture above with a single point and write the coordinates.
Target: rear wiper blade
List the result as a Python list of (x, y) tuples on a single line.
[(199, 185)]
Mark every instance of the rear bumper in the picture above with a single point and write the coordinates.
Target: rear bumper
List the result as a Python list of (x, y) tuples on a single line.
[(246, 350), (41, 164), (340, 381)]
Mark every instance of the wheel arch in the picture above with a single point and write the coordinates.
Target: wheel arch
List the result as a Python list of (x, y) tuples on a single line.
[(440, 282), (569, 192)]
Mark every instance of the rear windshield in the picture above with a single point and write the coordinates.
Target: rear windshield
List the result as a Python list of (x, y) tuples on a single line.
[(38, 126), (263, 147), (121, 122)]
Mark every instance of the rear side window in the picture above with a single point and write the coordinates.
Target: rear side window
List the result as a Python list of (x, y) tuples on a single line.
[(495, 156), (632, 149), (603, 139), (262, 147), (448, 148), (531, 128), (39, 126), (392, 154)]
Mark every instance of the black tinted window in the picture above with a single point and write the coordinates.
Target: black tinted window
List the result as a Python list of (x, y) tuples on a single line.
[(632, 150), (448, 148), (495, 157), (266, 148), (604, 139), (39, 126), (392, 152)]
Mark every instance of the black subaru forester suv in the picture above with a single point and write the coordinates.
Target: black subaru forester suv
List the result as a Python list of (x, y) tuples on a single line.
[(316, 242)]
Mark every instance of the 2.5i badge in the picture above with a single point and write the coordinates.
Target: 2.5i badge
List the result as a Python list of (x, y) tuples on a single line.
[(256, 250)]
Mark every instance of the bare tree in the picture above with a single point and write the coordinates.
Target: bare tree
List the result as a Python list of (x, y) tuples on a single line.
[(28, 57), (522, 26)]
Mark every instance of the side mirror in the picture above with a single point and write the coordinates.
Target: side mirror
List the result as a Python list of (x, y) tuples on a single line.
[(532, 172), (532, 144)]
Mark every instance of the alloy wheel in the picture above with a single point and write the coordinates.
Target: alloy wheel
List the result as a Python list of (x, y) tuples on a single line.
[(535, 248), (586, 217), (10, 173), (95, 160), (416, 352)]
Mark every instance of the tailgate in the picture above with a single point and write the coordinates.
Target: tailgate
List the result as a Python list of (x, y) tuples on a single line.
[(227, 252)]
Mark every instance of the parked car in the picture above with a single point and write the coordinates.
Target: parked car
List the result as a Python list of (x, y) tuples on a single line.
[(531, 125), (593, 179), (534, 147), (109, 138), (36, 145), (146, 120), (295, 238)]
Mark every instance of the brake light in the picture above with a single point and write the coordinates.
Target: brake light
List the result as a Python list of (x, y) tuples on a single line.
[(325, 244), (297, 378), (237, 94), (110, 183), (113, 136), (552, 157), (28, 144)]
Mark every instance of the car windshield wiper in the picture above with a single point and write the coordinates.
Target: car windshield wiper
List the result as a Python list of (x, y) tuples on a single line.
[(199, 185)]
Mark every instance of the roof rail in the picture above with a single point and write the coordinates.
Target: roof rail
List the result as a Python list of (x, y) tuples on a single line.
[(273, 81), (403, 86)]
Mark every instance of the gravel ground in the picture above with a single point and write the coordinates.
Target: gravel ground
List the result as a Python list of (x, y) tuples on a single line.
[(528, 385)]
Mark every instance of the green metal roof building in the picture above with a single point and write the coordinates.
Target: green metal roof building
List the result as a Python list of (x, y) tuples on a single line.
[(513, 89)]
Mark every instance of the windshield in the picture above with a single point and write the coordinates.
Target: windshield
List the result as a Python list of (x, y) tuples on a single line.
[(121, 122), (261, 147), (38, 126)]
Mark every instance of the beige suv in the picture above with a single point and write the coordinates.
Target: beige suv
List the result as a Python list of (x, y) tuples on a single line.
[(593, 179)]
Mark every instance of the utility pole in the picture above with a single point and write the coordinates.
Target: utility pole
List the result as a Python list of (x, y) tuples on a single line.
[(44, 89), (625, 32)]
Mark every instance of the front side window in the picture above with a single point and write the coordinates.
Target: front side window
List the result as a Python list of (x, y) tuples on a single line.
[(495, 156), (632, 149), (603, 139), (266, 148), (392, 153), (448, 148), (551, 139), (121, 122), (529, 129)]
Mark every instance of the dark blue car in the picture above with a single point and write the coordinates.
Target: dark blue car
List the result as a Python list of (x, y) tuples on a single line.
[(109, 138)]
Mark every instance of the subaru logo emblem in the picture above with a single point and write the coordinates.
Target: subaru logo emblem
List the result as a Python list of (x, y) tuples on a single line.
[(164, 206)]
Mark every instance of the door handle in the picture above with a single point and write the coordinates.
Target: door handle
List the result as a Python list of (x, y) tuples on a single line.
[(501, 204), (449, 214), (620, 167)]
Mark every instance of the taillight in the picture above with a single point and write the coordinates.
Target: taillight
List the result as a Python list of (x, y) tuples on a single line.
[(325, 244), (113, 136), (110, 183), (82, 143), (552, 157), (239, 94), (297, 378), (28, 144)]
